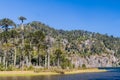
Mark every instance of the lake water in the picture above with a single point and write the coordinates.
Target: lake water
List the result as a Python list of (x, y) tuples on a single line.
[(110, 75)]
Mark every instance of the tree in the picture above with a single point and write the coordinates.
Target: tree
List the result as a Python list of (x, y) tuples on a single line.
[(22, 19), (38, 41), (22, 27), (58, 54), (5, 23), (48, 44), (6, 47), (29, 45), (14, 36), (27, 49)]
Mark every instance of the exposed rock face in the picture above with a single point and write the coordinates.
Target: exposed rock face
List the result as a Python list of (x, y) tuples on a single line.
[(104, 60)]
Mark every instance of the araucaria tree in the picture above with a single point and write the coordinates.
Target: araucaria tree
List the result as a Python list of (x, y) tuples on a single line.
[(23, 45), (5, 24)]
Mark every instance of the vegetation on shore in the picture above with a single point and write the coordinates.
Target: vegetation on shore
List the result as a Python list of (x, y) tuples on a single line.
[(48, 72), (37, 46)]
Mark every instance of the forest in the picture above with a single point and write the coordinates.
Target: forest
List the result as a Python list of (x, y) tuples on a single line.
[(35, 44)]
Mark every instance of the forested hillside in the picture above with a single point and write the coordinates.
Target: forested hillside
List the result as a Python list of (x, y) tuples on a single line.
[(37, 45)]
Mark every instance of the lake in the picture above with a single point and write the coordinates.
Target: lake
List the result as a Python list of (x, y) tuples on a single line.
[(110, 75)]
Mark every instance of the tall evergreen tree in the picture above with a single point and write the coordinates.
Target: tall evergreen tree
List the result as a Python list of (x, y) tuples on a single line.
[(23, 51), (5, 23)]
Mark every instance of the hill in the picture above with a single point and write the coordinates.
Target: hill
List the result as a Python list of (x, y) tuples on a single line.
[(40, 45)]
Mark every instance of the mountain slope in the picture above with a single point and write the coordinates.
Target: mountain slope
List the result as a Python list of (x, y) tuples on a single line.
[(78, 47), (85, 47)]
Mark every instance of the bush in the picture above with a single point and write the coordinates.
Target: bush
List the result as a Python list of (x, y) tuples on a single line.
[(2, 67), (59, 71), (66, 64), (30, 68), (37, 70), (83, 66), (11, 68)]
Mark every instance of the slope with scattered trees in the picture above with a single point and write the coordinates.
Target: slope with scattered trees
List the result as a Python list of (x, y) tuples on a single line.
[(35, 44)]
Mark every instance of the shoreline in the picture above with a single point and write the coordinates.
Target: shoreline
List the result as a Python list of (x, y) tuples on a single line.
[(85, 71), (32, 73)]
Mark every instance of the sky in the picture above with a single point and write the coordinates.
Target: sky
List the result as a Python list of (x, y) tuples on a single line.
[(102, 16)]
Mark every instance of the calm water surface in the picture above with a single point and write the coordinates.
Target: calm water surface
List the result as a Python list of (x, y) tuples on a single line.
[(111, 75)]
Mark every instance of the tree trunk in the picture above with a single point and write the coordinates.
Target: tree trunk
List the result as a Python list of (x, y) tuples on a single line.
[(29, 62), (39, 60), (4, 58), (0, 59), (22, 27), (45, 61), (15, 57), (22, 65), (58, 63), (30, 54), (6, 64), (48, 59), (22, 62)]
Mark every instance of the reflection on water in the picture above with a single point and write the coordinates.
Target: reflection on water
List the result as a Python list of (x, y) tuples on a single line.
[(111, 69), (85, 76)]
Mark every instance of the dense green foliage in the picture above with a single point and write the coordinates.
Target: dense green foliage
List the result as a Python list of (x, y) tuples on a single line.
[(36, 44)]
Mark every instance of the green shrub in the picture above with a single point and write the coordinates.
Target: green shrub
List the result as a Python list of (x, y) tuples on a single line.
[(63, 65), (11, 68), (83, 66), (66, 64), (37, 70), (2, 67), (30, 68)]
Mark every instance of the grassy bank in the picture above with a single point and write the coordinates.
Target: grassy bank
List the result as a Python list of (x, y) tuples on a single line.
[(84, 71), (25, 73), (58, 72)]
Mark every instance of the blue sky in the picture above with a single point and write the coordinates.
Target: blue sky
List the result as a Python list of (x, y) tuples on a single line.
[(101, 16)]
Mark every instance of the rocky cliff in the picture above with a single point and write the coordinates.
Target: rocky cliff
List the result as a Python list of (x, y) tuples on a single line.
[(104, 60)]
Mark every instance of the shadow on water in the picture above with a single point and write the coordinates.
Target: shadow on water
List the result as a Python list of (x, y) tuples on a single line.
[(110, 69), (113, 73)]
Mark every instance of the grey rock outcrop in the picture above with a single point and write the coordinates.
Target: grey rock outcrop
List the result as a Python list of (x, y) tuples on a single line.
[(104, 60)]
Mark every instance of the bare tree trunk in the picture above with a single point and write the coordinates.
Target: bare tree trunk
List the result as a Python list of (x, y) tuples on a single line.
[(27, 61), (6, 64), (22, 62), (22, 65), (39, 60), (15, 57), (58, 63), (4, 58), (22, 46), (0, 60), (48, 59), (30, 54), (29, 58), (45, 61)]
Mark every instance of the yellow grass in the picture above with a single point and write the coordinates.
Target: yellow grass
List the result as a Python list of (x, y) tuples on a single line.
[(85, 71), (32, 73), (25, 73)]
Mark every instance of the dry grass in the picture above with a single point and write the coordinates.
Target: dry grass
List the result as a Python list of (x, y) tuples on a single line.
[(25, 73), (32, 73), (85, 71)]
